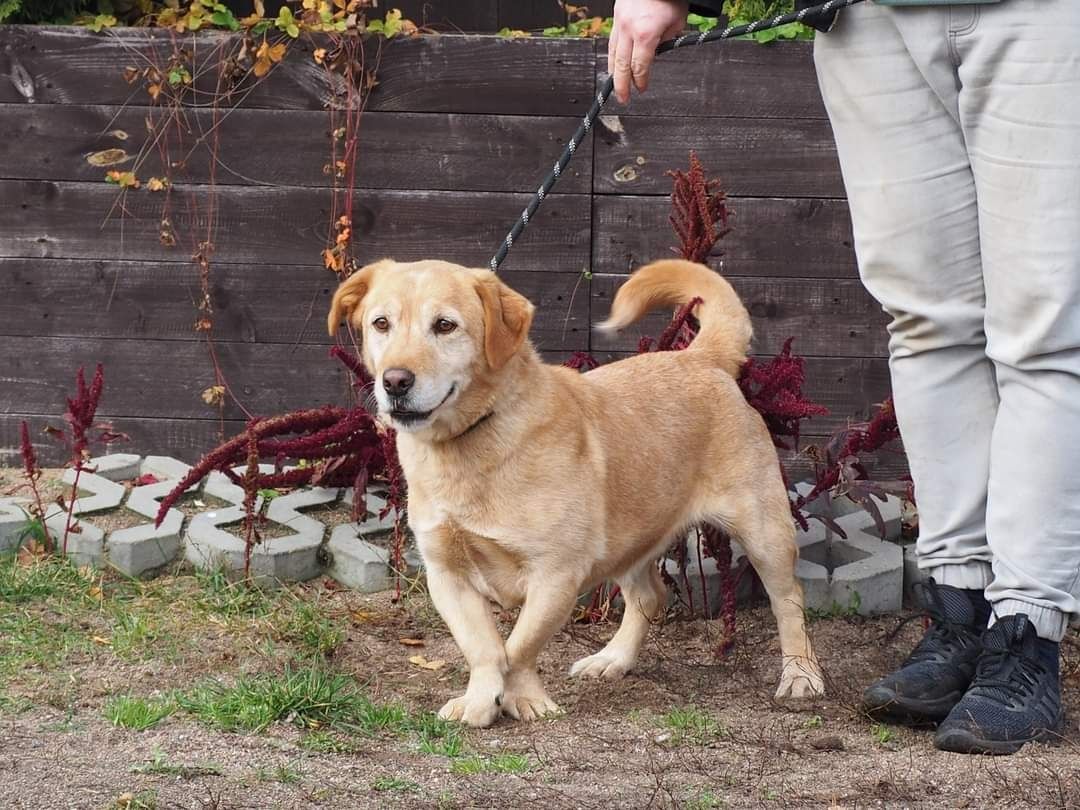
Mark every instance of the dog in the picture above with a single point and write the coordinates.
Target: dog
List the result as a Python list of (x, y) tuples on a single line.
[(529, 483)]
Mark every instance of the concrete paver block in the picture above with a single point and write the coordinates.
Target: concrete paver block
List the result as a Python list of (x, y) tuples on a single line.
[(358, 564), (278, 559), (372, 524), (284, 509), (104, 494), (141, 550), (861, 564), (912, 574), (13, 521), (146, 499), (85, 541), (116, 466)]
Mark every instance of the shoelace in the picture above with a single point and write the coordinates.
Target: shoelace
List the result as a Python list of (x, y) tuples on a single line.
[(1008, 670)]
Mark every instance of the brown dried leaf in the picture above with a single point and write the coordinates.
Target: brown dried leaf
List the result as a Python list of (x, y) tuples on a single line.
[(423, 663)]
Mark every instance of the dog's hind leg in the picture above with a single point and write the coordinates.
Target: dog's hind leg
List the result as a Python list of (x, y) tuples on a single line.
[(770, 547), (644, 594), (547, 607)]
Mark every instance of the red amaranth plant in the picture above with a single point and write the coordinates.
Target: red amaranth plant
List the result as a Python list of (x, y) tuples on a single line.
[(81, 433), (32, 474), (698, 207), (333, 447)]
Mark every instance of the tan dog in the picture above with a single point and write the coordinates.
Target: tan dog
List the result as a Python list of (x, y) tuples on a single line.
[(530, 483)]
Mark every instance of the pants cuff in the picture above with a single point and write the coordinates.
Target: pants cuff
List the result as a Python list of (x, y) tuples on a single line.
[(972, 576), (1049, 622)]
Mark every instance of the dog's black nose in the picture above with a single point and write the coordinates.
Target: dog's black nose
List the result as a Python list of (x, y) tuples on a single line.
[(398, 381)]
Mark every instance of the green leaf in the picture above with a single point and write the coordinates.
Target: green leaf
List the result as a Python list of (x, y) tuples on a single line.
[(225, 19), (554, 31), (261, 27), (293, 31)]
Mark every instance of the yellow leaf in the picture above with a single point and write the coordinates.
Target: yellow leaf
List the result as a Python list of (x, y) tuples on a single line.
[(423, 663), (101, 640), (277, 52), (156, 184), (214, 395), (262, 67), (412, 642), (260, 9), (154, 90), (320, 55)]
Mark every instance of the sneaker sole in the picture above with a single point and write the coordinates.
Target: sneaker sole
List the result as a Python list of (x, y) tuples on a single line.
[(881, 702), (965, 741)]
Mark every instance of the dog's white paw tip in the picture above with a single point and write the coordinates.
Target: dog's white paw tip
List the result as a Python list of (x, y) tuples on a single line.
[(478, 714), (600, 665)]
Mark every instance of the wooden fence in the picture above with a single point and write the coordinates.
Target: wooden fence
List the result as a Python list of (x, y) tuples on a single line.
[(456, 134)]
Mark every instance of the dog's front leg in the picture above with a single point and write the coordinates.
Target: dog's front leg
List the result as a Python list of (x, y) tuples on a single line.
[(468, 615), (547, 607)]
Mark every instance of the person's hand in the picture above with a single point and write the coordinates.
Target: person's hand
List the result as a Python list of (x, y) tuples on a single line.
[(640, 25)]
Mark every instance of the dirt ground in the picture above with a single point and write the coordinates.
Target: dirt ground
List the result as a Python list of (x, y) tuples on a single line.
[(686, 730)]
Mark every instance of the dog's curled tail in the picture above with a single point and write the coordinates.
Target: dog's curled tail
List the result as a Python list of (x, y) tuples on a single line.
[(725, 324)]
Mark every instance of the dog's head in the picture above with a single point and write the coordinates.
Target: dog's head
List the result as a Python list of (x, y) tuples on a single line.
[(434, 336)]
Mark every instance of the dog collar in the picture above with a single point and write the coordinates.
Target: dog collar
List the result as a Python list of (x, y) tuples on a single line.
[(475, 424)]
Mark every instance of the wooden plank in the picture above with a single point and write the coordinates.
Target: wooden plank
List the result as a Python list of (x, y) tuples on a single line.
[(185, 439), (461, 152), (44, 219), (827, 317), (449, 73), (733, 79), (850, 387), (538, 14), (770, 237), (189, 439), (253, 303), (450, 15), (166, 378), (752, 157)]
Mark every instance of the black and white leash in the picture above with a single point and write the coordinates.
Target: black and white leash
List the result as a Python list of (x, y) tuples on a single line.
[(585, 127)]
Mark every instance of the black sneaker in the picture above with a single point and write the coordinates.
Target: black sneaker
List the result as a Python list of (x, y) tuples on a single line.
[(937, 673), (1015, 697)]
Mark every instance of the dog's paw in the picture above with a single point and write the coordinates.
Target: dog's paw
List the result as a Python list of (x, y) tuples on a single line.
[(604, 664), (800, 679), (475, 712), (526, 699)]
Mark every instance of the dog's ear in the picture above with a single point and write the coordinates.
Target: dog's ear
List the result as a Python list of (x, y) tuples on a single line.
[(350, 293), (507, 318)]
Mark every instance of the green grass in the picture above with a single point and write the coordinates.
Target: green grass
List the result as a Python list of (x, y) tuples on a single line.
[(499, 763), (13, 704), (160, 765), (437, 736), (882, 734), (222, 597), (705, 800), (690, 724), (836, 610), (285, 773), (51, 578), (309, 698), (325, 742), (137, 713), (393, 783), (143, 800), (30, 641), (311, 631)]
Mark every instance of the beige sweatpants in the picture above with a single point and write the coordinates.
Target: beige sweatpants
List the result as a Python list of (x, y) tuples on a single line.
[(958, 129)]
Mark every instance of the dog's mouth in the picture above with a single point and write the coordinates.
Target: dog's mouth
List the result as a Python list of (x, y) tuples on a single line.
[(408, 417)]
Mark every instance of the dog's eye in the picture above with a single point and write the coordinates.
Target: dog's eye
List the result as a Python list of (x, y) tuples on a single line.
[(444, 326), (381, 325)]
